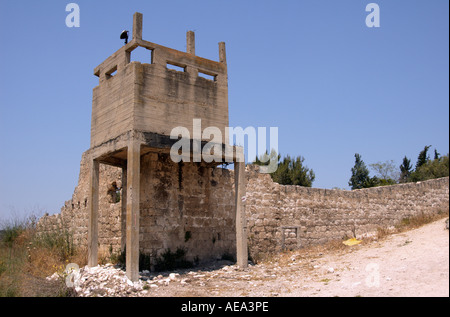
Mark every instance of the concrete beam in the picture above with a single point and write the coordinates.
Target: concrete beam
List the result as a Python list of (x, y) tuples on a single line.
[(93, 214), (133, 189), (241, 222)]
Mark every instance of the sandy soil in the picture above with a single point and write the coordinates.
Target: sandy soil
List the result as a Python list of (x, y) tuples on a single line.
[(412, 263)]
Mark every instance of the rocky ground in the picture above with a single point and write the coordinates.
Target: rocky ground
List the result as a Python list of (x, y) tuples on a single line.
[(412, 263)]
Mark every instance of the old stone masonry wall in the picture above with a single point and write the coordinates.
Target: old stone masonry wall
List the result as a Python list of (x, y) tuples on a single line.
[(186, 206), (192, 206), (73, 218), (290, 217)]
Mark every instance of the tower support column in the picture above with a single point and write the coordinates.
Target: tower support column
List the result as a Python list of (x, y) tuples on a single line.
[(93, 214), (241, 222), (133, 190)]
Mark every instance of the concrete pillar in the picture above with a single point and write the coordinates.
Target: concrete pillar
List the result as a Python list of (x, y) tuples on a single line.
[(222, 78), (190, 42), (93, 214), (133, 188), (124, 209), (137, 26), (222, 53), (241, 222)]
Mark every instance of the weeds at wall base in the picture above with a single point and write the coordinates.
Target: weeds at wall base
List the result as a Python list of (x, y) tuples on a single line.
[(413, 222), (167, 261), (314, 251), (26, 259)]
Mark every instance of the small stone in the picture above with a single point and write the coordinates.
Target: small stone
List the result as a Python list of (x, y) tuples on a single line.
[(185, 281), (54, 277)]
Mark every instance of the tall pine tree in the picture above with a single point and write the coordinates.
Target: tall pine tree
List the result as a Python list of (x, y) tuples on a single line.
[(405, 170), (423, 157), (360, 174)]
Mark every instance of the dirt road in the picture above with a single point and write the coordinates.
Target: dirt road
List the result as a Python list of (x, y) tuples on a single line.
[(412, 263)]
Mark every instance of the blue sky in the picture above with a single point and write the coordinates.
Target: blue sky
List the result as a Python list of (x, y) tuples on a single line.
[(312, 68)]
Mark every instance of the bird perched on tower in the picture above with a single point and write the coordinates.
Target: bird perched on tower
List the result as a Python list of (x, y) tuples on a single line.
[(124, 36)]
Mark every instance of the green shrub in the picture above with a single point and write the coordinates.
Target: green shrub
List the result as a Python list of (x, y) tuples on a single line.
[(59, 240), (10, 234), (172, 260), (144, 261), (228, 257), (436, 168)]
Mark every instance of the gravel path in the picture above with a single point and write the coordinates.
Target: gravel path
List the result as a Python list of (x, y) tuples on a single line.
[(412, 263)]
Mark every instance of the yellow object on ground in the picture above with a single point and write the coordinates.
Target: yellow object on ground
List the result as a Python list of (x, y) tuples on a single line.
[(352, 241)]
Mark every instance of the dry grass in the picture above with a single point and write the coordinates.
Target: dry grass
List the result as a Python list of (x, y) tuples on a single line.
[(414, 222), (420, 220), (305, 255), (26, 260)]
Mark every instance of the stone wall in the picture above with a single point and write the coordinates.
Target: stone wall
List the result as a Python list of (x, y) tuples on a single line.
[(73, 217), (186, 205), (289, 217), (192, 206)]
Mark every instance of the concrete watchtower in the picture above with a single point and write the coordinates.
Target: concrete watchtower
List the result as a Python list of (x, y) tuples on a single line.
[(134, 109)]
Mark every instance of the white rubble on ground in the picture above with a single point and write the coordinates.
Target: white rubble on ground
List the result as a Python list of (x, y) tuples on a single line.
[(108, 280), (111, 281)]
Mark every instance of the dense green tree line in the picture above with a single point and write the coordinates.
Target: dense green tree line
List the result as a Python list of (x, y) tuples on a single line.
[(290, 171), (293, 171), (388, 174)]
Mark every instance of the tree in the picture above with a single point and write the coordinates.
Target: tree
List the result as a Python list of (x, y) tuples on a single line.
[(405, 170), (300, 174), (282, 174), (386, 172), (266, 158), (431, 169), (290, 171), (360, 174), (423, 157), (436, 154)]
